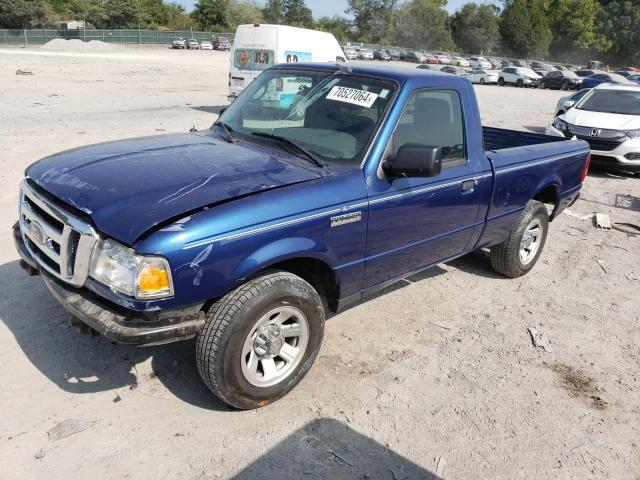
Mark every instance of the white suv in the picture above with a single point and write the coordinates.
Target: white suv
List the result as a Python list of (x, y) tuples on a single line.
[(519, 76), (608, 118)]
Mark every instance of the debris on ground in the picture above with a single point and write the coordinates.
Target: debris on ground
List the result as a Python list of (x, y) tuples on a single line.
[(540, 340), (579, 216), (628, 228), (23, 72), (603, 222), (441, 325), (40, 453), (440, 467), (601, 265), (69, 427)]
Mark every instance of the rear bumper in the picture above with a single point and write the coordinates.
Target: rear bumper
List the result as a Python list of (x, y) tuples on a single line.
[(113, 321)]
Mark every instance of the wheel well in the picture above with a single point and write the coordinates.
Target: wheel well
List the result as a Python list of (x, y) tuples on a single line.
[(318, 274), (549, 196)]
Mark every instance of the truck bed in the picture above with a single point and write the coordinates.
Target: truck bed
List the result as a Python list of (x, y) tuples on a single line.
[(501, 138)]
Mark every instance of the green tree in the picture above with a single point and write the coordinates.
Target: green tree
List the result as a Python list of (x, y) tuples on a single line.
[(525, 29), (340, 27), (243, 12), (424, 24), (25, 14), (576, 29), (211, 14), (372, 19), (476, 28), (297, 13), (123, 13), (620, 23), (274, 11)]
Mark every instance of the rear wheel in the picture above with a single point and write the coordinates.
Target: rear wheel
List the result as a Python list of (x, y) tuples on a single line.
[(260, 340), (564, 85), (481, 80), (521, 250)]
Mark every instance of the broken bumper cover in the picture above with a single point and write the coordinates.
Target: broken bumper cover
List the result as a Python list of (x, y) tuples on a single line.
[(115, 322)]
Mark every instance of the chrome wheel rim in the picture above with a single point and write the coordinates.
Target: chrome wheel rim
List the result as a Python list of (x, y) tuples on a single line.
[(531, 240), (275, 346)]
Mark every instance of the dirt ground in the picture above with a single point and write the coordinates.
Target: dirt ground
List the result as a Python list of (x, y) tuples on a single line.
[(438, 377)]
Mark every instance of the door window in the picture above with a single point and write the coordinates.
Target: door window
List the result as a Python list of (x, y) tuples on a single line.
[(434, 118)]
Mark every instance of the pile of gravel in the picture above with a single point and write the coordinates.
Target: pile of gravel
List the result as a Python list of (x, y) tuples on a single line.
[(76, 45)]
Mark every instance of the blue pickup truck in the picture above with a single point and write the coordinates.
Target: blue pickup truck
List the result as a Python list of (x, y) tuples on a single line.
[(317, 187)]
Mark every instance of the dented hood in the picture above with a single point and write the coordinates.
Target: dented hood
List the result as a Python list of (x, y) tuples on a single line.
[(129, 186)]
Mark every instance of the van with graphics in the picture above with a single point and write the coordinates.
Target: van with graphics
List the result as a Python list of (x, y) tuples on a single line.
[(257, 47)]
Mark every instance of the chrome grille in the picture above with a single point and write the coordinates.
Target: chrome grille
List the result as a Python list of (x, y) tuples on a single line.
[(60, 242)]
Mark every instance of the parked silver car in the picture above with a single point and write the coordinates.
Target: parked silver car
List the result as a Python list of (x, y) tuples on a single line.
[(192, 44), (179, 43)]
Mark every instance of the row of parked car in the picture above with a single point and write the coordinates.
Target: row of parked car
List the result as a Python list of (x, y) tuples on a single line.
[(216, 43), (556, 77)]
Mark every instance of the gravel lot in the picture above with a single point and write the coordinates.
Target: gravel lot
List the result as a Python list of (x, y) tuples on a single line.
[(437, 376)]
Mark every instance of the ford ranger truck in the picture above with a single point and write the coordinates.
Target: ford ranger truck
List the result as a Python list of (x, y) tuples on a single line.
[(290, 206)]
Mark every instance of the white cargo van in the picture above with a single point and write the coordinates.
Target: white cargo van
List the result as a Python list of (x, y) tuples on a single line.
[(257, 47)]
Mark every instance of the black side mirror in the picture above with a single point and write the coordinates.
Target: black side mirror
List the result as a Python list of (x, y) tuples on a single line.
[(222, 110), (414, 160)]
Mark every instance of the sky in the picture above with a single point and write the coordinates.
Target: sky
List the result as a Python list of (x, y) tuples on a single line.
[(329, 8)]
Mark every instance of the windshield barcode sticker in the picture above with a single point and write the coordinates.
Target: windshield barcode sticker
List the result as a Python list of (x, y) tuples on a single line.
[(352, 95)]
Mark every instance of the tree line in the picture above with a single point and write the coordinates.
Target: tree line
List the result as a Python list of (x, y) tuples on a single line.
[(563, 30)]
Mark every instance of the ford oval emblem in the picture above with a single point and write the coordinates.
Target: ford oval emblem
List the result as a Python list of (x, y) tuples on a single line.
[(37, 233)]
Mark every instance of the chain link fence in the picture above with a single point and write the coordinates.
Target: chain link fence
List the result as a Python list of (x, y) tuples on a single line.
[(131, 37)]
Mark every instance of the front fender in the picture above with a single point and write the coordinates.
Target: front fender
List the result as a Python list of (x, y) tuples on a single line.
[(279, 251)]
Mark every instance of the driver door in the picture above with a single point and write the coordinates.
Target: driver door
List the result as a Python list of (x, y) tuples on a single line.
[(416, 222)]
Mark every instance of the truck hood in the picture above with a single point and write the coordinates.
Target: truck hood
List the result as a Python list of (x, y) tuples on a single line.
[(609, 121), (129, 186)]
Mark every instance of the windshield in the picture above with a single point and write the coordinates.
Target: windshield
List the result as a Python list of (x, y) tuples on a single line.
[(332, 116), (624, 102), (528, 72)]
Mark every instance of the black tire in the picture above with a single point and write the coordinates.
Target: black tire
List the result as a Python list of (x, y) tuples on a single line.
[(229, 322), (481, 80), (564, 85), (519, 83), (501, 82), (543, 85), (505, 258)]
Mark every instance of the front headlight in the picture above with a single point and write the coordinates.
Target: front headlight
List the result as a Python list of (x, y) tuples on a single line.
[(559, 124), (633, 134), (138, 276)]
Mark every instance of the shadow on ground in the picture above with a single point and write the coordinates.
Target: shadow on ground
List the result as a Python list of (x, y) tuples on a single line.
[(329, 449), (88, 364), (210, 108), (83, 364)]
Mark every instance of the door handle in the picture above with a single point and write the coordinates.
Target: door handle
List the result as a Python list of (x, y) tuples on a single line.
[(469, 185)]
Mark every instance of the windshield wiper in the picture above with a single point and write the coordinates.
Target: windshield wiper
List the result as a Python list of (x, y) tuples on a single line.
[(292, 143), (227, 131)]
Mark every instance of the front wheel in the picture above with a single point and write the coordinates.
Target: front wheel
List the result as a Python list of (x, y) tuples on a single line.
[(481, 81), (501, 82), (522, 248), (543, 85), (260, 340), (564, 85), (519, 83)]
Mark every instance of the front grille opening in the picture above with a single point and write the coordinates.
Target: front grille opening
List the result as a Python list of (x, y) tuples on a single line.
[(52, 221), (42, 257), (74, 241)]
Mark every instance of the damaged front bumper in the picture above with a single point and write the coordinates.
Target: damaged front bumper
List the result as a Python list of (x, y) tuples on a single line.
[(115, 322)]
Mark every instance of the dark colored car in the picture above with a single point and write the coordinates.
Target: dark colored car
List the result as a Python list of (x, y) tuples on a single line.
[(519, 63), (381, 55), (585, 72), (394, 54), (221, 43), (414, 57), (458, 71), (602, 77), (562, 79)]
